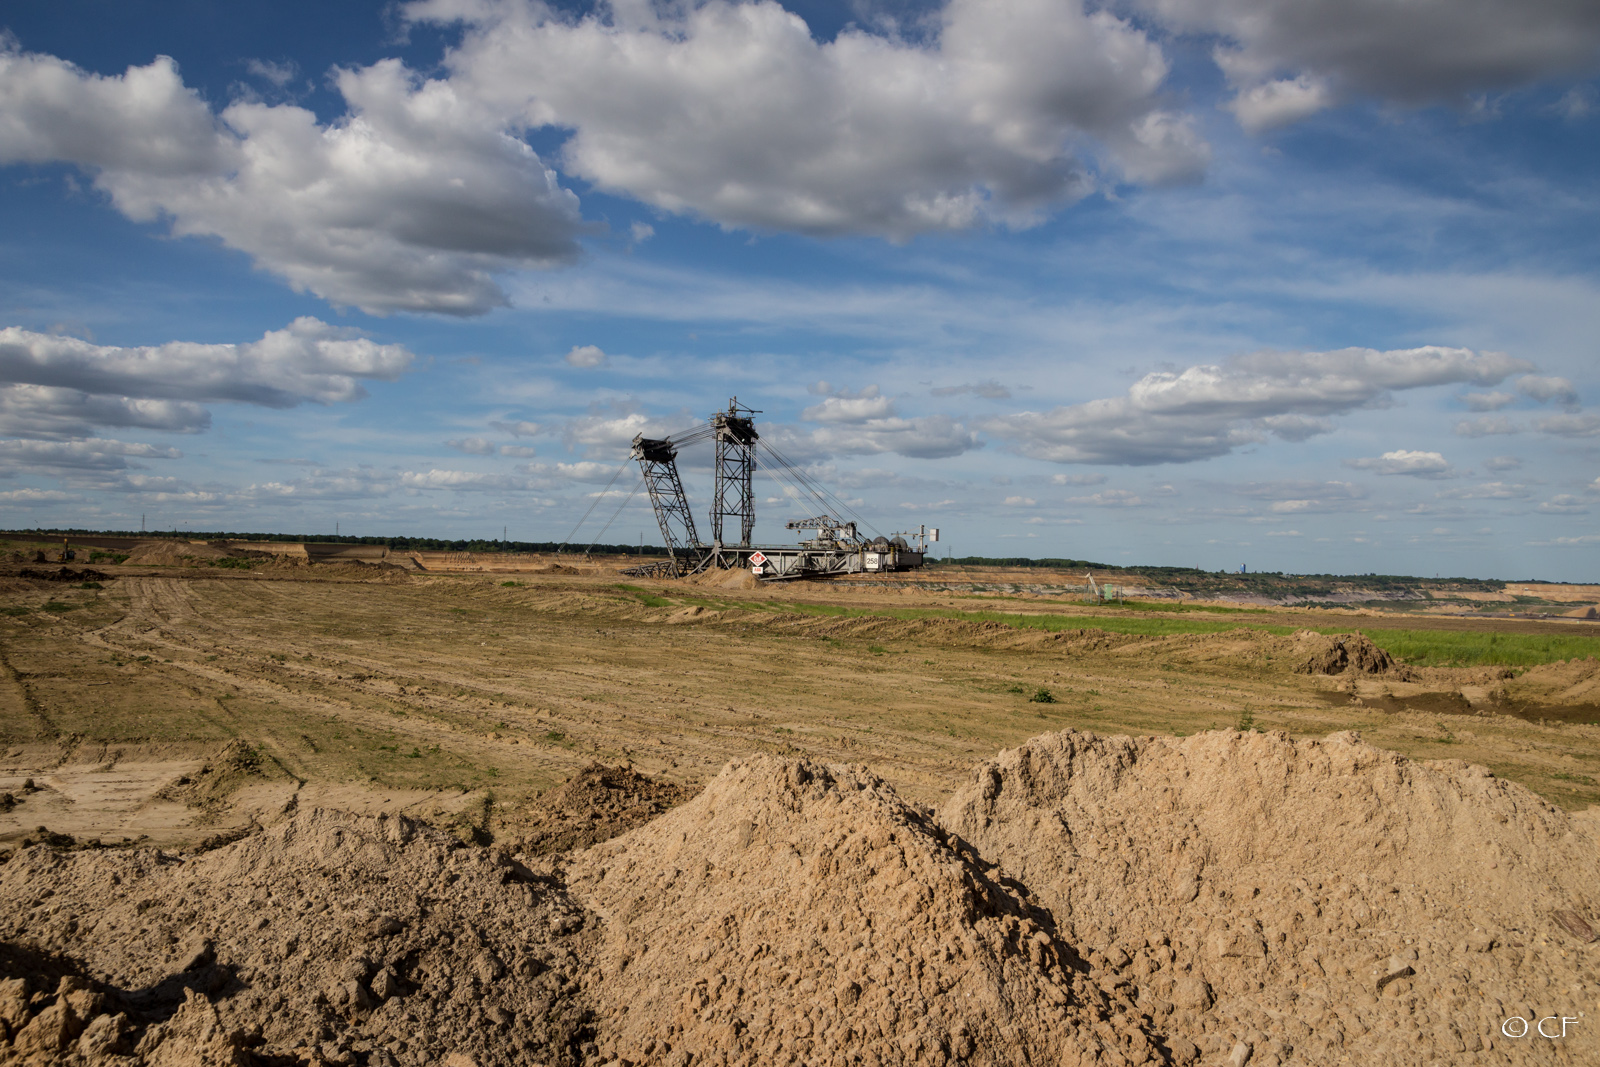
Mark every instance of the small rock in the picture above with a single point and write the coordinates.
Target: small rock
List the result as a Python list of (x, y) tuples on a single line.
[(488, 968), (358, 997), (1573, 923), (1192, 994), (355, 969), (1394, 970), (385, 984), (1240, 1055), (106, 1035), (384, 926), (1240, 944), (198, 952), (1183, 1051), (1185, 887), (1478, 941)]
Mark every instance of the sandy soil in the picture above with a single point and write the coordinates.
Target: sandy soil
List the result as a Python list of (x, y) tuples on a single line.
[(1229, 898), (332, 813), (466, 696)]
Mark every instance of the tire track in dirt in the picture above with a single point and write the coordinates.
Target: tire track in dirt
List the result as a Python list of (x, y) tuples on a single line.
[(50, 730), (169, 615), (154, 597)]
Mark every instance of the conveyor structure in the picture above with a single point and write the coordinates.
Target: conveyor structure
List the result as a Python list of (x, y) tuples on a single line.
[(835, 547)]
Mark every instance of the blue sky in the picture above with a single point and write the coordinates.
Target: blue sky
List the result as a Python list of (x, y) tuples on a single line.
[(1310, 286)]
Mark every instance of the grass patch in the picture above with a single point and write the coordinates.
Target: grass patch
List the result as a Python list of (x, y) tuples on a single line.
[(1580, 779), (1420, 648), (57, 606), (15, 609), (1451, 648)]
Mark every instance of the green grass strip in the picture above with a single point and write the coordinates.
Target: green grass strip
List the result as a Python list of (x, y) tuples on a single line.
[(1421, 648)]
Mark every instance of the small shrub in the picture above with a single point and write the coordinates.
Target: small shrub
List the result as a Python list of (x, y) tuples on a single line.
[(1247, 721), (1042, 695)]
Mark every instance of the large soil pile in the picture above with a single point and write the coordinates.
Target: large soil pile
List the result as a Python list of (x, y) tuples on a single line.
[(329, 938), (801, 914), (1227, 898), (1318, 901)]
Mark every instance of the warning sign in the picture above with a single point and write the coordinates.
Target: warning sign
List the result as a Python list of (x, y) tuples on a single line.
[(757, 559)]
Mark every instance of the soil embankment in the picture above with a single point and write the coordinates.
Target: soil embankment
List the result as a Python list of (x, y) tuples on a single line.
[(1225, 898)]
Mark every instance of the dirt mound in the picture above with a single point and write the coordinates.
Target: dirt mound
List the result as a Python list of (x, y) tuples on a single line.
[(338, 570), (796, 913), (65, 574), (209, 788), (1575, 681), (374, 571), (595, 805), (1337, 653), (1324, 900), (173, 554), (328, 939)]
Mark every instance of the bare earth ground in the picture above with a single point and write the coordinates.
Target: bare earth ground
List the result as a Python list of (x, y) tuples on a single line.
[(177, 706)]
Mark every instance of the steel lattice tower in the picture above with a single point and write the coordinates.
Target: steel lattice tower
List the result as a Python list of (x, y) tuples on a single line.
[(732, 495), (658, 460)]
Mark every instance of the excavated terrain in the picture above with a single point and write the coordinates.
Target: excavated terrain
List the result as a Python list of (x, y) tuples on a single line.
[(267, 813), (1225, 898), (1317, 901)]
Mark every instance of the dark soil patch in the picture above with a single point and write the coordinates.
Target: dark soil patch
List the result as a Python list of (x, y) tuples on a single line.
[(595, 805)]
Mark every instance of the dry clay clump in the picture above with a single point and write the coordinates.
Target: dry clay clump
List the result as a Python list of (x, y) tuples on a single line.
[(801, 914), (1317, 902), (327, 939)]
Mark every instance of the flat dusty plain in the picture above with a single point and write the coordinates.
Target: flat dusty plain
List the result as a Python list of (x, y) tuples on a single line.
[(460, 697)]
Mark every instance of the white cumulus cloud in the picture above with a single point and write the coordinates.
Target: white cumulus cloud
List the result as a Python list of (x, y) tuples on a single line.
[(1573, 425), (412, 200), (1288, 58), (586, 356), (1416, 464), (736, 113), (1543, 387), (1209, 410), (54, 386)]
